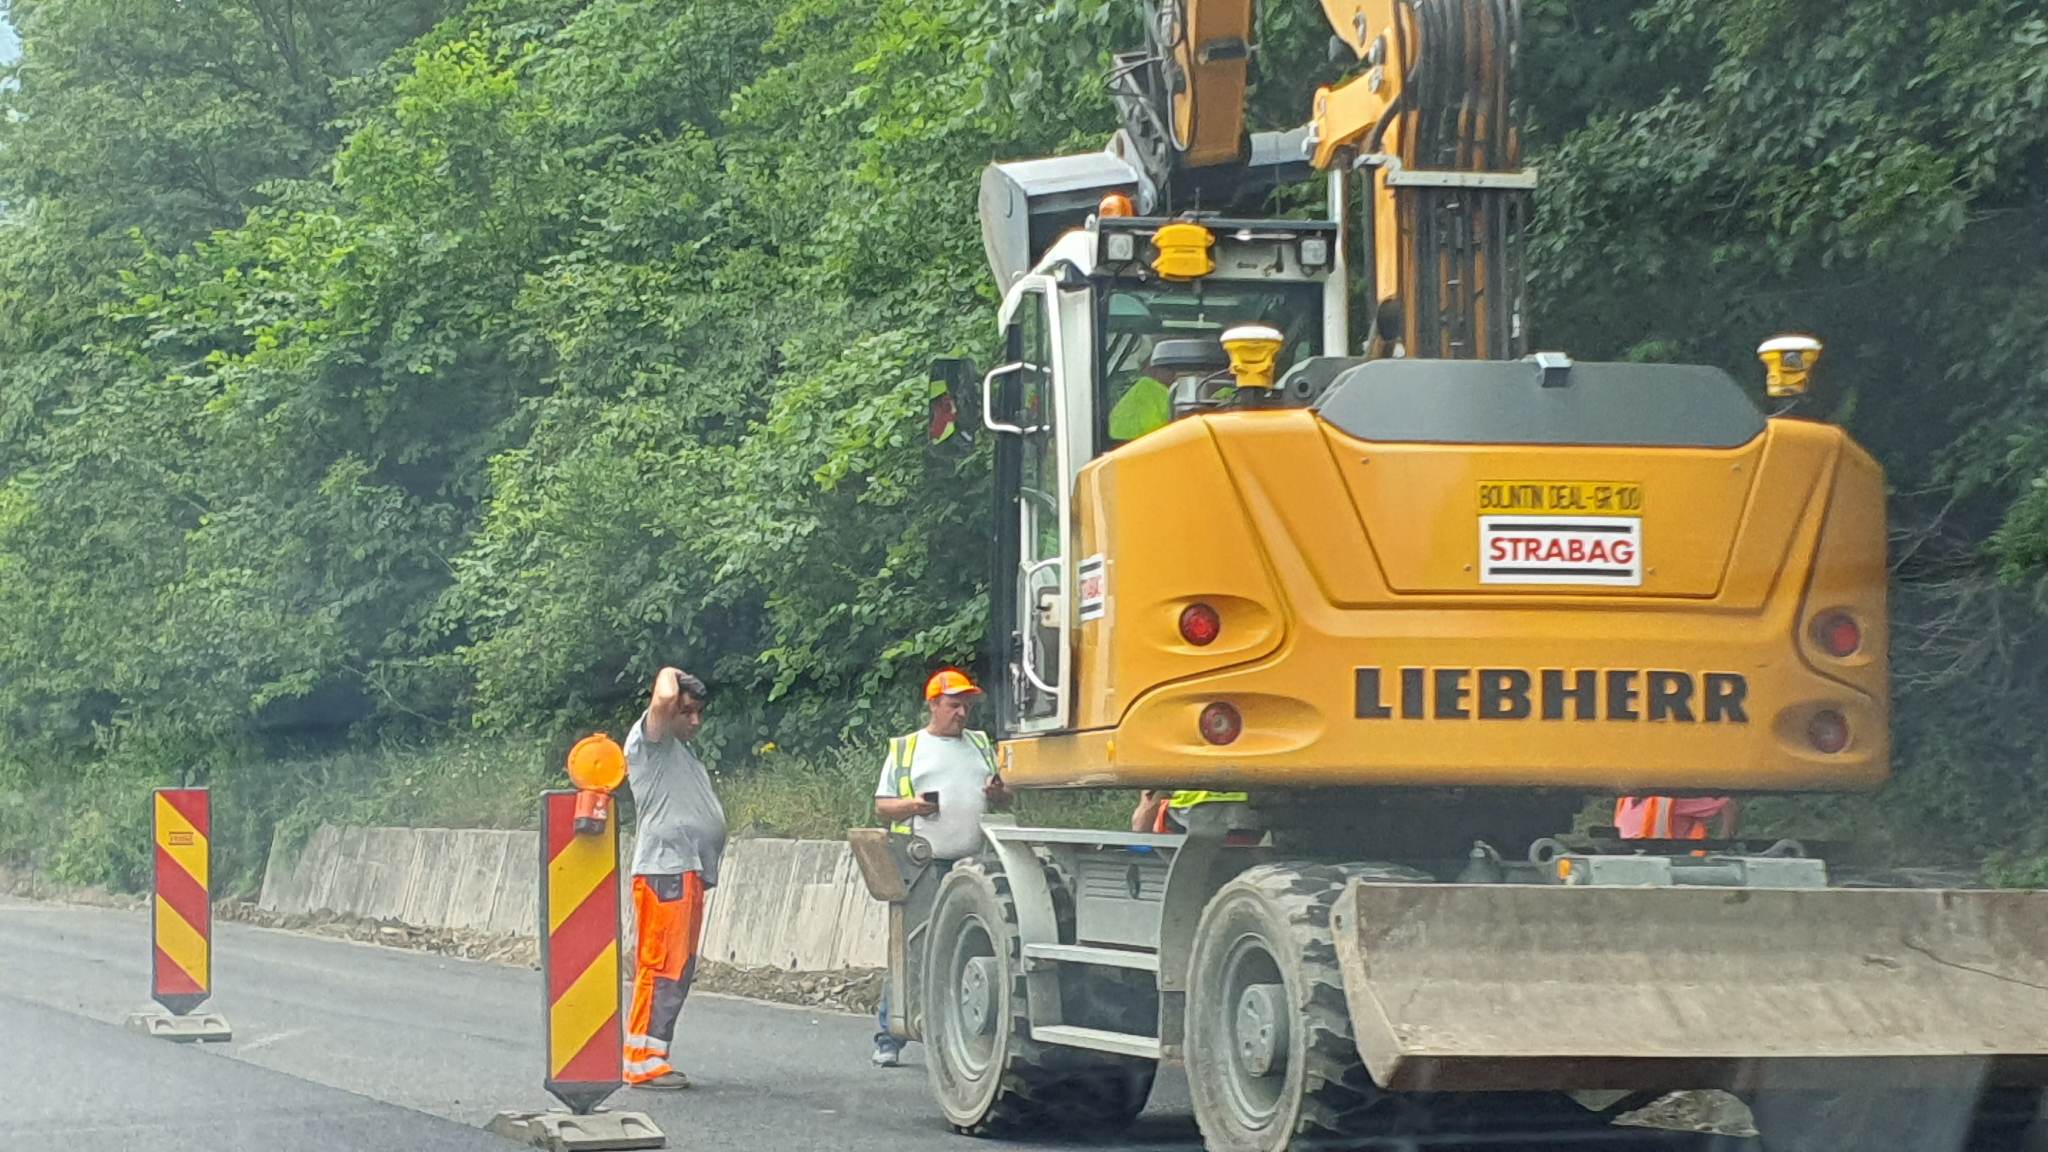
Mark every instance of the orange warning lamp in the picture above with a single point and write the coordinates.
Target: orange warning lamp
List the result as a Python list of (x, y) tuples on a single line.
[(1116, 205), (597, 766)]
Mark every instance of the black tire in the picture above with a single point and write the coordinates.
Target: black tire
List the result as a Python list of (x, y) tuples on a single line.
[(989, 1076), (1272, 1063)]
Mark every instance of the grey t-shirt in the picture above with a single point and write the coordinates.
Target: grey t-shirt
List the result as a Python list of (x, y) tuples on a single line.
[(681, 823)]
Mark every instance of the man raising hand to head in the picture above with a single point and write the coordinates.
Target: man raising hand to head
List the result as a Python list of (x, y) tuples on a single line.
[(681, 829)]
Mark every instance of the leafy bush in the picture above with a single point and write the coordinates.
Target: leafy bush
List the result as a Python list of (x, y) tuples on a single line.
[(404, 370)]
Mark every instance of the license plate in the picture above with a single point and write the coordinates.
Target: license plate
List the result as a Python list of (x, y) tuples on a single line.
[(1563, 497)]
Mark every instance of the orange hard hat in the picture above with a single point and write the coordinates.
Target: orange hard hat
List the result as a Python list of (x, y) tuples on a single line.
[(949, 682), (597, 763)]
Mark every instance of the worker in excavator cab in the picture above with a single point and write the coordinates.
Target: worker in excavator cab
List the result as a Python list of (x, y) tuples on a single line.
[(1147, 403), (1674, 817), (1182, 375)]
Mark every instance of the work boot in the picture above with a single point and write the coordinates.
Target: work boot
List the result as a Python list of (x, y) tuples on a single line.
[(670, 1081)]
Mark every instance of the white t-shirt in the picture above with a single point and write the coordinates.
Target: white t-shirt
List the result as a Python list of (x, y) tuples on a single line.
[(954, 768)]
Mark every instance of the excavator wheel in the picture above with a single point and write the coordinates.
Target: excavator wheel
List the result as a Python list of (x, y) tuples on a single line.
[(1271, 1059), (989, 1076)]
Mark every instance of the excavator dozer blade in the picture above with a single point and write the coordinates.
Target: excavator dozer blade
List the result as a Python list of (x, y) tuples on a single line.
[(1460, 987)]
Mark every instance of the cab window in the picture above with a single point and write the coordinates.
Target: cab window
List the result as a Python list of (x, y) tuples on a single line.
[(1136, 319)]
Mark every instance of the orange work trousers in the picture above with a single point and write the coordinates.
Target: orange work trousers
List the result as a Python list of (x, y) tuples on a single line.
[(668, 916)]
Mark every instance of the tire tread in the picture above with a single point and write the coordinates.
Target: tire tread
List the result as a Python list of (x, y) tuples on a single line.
[(1339, 1102), (1045, 1087)]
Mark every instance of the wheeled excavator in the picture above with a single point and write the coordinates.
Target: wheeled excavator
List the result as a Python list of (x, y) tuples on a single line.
[(1416, 593)]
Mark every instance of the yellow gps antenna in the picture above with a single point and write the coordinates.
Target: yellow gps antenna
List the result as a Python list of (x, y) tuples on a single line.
[(1254, 349), (1788, 360)]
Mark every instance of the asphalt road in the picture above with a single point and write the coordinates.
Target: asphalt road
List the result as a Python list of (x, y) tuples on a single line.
[(340, 1045), (344, 1045), (72, 1082)]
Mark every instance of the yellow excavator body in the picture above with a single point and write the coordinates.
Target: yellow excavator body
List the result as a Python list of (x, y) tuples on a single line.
[(1361, 643)]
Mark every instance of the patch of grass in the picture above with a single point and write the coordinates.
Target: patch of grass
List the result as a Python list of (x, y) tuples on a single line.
[(820, 798), (812, 799), (471, 782), (2017, 870), (496, 782), (34, 825), (95, 831), (1104, 808)]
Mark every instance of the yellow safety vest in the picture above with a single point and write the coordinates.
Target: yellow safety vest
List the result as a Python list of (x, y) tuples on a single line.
[(903, 749), (1188, 799)]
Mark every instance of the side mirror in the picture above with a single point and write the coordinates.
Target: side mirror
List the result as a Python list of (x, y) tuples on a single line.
[(954, 402)]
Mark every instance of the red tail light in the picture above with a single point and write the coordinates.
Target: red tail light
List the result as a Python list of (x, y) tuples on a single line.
[(1220, 723), (1828, 731), (1199, 624), (1838, 634)]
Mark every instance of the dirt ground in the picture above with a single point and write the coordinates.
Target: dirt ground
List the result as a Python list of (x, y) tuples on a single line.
[(1716, 1112), (496, 947), (34, 886)]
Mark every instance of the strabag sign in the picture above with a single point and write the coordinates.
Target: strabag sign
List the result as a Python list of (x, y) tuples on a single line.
[(1584, 532), (1601, 550)]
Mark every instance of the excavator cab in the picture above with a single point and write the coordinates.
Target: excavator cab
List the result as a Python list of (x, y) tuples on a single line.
[(1162, 354), (1102, 312)]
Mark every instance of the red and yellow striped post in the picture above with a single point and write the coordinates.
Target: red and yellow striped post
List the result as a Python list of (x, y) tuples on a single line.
[(181, 913), (579, 956), (582, 1032), (181, 919)]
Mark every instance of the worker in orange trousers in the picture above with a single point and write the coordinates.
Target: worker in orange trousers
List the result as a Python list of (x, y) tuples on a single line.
[(681, 837)]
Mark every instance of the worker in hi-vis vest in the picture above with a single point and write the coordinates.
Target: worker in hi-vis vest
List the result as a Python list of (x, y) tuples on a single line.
[(1674, 818), (1165, 812), (936, 783)]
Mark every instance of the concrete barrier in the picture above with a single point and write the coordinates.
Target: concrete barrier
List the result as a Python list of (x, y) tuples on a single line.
[(798, 905)]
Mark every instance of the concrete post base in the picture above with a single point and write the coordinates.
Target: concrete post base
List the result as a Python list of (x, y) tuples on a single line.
[(563, 1131), (199, 1027)]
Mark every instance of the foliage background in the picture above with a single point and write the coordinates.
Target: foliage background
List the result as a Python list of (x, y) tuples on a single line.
[(388, 387)]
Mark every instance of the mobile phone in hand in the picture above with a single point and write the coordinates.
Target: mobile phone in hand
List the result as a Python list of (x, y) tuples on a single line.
[(932, 798)]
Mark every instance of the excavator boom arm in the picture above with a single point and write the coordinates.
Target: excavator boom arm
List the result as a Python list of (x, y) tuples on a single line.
[(1213, 52), (1431, 117)]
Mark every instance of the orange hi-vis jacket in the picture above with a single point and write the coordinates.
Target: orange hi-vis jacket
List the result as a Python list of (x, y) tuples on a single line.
[(1668, 818)]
